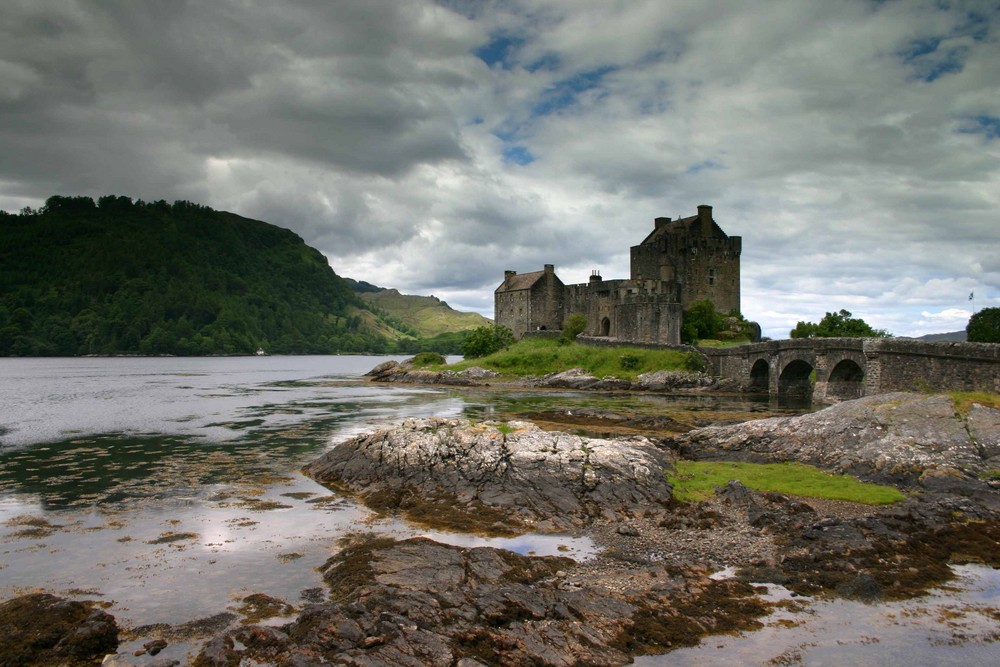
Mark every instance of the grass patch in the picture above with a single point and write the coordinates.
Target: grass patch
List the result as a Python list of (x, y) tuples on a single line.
[(696, 480), (534, 356), (963, 400), (711, 342)]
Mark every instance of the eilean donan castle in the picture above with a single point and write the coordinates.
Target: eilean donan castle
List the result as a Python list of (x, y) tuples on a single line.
[(679, 262)]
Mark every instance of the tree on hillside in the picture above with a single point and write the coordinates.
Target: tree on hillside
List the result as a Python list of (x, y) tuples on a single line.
[(984, 326), (838, 325)]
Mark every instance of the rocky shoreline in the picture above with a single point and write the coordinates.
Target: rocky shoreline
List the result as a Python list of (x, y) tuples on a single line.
[(649, 589), (574, 378)]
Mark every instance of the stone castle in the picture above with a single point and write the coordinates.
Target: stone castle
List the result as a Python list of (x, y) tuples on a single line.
[(679, 262)]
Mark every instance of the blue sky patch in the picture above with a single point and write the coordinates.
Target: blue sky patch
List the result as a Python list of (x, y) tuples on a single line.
[(518, 155), (498, 50), (988, 126), (564, 93), (704, 165), (930, 62), (549, 62)]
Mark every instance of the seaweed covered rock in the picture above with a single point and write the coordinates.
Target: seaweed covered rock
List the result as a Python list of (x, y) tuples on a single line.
[(497, 477), (417, 602), (42, 629)]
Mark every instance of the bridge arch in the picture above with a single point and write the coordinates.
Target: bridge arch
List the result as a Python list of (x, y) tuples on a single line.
[(760, 376), (846, 380), (795, 380)]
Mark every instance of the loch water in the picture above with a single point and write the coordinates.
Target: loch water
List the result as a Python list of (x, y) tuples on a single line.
[(169, 488)]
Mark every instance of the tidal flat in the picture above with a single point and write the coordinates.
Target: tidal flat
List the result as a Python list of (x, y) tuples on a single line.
[(168, 491)]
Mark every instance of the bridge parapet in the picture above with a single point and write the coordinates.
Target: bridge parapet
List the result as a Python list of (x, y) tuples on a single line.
[(839, 368)]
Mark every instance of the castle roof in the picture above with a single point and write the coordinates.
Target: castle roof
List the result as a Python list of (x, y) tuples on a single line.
[(660, 230), (520, 281)]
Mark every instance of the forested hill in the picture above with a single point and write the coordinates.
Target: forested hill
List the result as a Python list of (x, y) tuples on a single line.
[(123, 277)]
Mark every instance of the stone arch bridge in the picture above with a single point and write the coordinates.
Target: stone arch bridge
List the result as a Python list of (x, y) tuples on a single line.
[(833, 369)]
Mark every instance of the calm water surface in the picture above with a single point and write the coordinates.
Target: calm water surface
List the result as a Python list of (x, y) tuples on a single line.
[(169, 489)]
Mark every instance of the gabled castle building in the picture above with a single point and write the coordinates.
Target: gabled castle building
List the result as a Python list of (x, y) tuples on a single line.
[(681, 261)]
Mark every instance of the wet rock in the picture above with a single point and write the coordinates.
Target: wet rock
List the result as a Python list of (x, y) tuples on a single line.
[(574, 378), (673, 380), (490, 476), (218, 652), (155, 646), (41, 629), (417, 602), (862, 587), (383, 370), (897, 438), (406, 372), (476, 373)]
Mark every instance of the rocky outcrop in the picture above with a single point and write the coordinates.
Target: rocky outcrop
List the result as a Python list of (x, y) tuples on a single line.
[(406, 372), (498, 477), (42, 629), (577, 378), (574, 378), (898, 438), (417, 602)]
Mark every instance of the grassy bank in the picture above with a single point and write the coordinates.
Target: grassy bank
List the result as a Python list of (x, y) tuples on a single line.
[(540, 357), (695, 480), (963, 400)]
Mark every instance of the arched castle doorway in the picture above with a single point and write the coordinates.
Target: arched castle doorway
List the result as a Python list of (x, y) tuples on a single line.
[(605, 327)]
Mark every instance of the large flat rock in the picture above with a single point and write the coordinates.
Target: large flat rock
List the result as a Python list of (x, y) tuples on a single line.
[(514, 473)]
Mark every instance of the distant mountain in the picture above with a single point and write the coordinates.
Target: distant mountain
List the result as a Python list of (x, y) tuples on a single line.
[(425, 316), (123, 277), (957, 336)]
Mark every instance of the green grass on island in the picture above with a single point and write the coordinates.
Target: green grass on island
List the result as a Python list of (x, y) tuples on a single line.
[(535, 356), (696, 480)]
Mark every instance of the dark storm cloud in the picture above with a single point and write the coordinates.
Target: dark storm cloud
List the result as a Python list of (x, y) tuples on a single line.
[(428, 146)]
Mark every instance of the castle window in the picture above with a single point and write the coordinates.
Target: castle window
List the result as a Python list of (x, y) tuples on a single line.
[(711, 276)]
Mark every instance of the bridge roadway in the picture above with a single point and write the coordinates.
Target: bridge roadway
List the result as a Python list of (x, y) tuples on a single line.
[(853, 367)]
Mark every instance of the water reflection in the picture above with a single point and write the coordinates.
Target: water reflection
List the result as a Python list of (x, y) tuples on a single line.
[(952, 625), (167, 486)]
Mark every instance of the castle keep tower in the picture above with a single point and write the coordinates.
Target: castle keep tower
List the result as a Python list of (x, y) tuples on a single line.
[(695, 253), (679, 262)]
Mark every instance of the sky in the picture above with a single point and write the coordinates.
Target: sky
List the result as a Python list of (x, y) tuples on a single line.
[(429, 146)]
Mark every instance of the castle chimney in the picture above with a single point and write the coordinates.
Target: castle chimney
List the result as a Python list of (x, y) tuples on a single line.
[(705, 219), (507, 275), (550, 268), (595, 276), (660, 222)]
